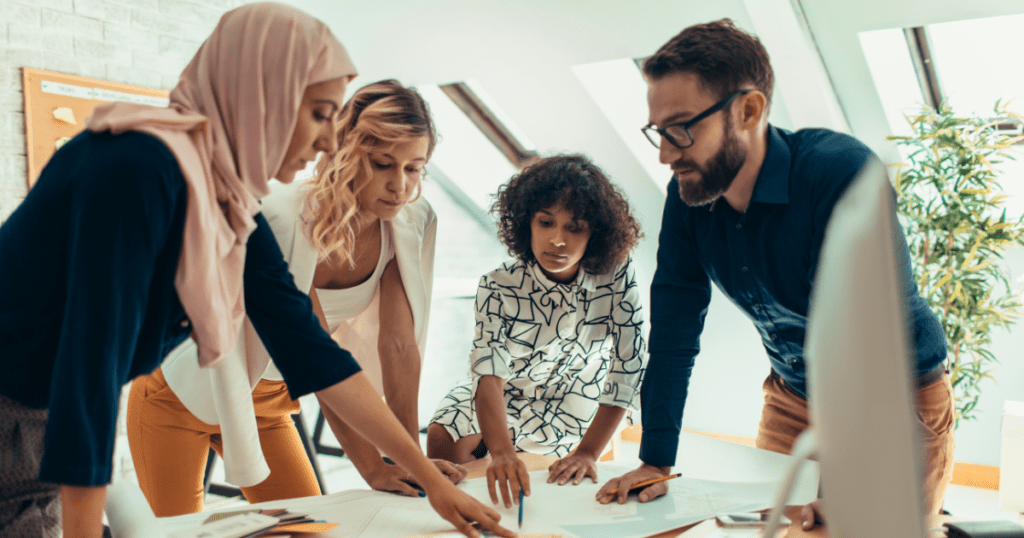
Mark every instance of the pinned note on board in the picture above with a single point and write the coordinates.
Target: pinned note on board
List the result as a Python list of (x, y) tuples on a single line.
[(57, 106), (64, 114)]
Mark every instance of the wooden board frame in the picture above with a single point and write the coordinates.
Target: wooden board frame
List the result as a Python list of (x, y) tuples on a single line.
[(47, 91)]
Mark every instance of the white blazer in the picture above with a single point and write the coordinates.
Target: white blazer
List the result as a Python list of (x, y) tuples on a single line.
[(221, 395)]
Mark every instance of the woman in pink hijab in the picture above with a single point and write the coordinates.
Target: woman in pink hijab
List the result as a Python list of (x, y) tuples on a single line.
[(145, 230)]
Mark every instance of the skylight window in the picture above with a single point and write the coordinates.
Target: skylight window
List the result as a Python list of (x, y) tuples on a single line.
[(464, 154), (973, 67), (618, 89), (978, 62), (497, 126), (892, 68)]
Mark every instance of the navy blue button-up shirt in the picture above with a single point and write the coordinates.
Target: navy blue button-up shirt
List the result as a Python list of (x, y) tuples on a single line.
[(763, 260)]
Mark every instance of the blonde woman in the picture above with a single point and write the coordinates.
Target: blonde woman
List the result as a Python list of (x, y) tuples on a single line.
[(360, 238)]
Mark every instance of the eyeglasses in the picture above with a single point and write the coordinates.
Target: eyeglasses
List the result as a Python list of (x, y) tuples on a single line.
[(678, 134)]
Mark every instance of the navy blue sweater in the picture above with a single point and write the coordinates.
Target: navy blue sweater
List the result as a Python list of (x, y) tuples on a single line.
[(87, 297)]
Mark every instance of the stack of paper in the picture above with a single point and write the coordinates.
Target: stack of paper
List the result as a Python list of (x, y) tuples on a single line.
[(254, 522)]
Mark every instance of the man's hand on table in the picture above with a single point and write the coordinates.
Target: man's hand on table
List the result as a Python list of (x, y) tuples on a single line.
[(623, 483)]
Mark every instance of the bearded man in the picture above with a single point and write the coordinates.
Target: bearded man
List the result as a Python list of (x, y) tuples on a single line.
[(747, 208)]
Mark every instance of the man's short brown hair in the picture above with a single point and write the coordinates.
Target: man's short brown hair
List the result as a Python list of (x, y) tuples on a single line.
[(724, 57)]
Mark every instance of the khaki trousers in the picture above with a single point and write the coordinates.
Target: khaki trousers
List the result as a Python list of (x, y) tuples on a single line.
[(170, 446), (785, 416)]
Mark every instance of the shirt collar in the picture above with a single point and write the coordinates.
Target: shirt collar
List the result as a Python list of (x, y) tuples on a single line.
[(581, 279), (772, 186)]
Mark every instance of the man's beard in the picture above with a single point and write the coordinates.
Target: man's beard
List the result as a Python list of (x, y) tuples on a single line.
[(716, 177)]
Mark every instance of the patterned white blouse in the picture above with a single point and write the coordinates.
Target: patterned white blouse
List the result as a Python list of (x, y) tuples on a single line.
[(562, 349)]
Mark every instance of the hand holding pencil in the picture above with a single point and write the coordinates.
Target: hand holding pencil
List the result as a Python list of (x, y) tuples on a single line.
[(655, 479), (646, 483)]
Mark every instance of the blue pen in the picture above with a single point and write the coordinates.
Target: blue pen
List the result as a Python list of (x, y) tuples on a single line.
[(521, 495)]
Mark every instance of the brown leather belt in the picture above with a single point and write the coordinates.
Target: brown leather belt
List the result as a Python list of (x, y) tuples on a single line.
[(930, 377)]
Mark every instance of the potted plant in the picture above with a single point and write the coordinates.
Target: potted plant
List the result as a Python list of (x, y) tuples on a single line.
[(949, 196)]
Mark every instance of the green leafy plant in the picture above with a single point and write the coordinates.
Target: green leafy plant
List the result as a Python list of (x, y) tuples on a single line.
[(957, 228)]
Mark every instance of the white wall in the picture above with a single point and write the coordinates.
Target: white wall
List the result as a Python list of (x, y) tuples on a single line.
[(142, 42)]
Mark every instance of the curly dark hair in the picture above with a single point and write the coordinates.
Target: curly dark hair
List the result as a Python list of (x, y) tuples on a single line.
[(578, 185)]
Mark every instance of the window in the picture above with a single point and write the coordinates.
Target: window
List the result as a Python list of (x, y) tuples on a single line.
[(618, 89), (465, 155), (973, 64), (978, 61)]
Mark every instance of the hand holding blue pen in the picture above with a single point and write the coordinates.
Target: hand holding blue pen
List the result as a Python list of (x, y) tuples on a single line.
[(506, 474)]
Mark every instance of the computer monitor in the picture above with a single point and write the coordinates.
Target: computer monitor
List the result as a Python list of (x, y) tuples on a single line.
[(863, 427), (859, 363)]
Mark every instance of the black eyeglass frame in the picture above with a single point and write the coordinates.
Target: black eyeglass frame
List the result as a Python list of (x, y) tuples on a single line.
[(653, 133)]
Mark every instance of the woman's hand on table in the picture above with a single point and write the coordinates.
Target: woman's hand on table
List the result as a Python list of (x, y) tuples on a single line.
[(507, 473), (453, 471), (576, 466), (463, 511), (623, 483), (393, 478)]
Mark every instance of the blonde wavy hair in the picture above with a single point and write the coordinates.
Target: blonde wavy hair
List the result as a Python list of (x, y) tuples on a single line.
[(375, 119)]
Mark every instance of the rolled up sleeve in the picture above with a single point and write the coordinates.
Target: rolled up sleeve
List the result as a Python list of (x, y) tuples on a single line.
[(629, 356)]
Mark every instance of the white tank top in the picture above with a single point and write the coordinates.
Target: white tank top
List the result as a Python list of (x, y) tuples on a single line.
[(343, 304)]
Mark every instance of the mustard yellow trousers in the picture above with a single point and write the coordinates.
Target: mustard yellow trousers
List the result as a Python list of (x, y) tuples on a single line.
[(170, 446)]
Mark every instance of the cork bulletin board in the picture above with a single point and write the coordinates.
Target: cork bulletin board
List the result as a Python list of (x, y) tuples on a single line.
[(56, 106)]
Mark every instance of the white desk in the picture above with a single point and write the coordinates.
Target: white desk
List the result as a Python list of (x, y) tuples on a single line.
[(699, 457)]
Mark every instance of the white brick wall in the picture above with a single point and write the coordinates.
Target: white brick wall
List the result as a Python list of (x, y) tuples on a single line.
[(141, 42), (71, 24)]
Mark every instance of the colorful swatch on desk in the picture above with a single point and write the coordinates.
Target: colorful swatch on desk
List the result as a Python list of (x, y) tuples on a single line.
[(457, 534), (301, 528)]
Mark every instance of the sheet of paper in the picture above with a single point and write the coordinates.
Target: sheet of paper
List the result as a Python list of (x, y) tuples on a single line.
[(230, 527), (569, 511), (401, 522), (351, 508), (573, 512)]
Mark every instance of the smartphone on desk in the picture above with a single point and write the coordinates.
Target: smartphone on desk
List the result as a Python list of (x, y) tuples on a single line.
[(748, 519)]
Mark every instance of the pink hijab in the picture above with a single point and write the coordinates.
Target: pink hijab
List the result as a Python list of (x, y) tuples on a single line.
[(229, 123)]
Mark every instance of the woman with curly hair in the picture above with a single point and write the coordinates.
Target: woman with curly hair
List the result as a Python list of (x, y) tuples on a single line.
[(558, 355), (360, 238)]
